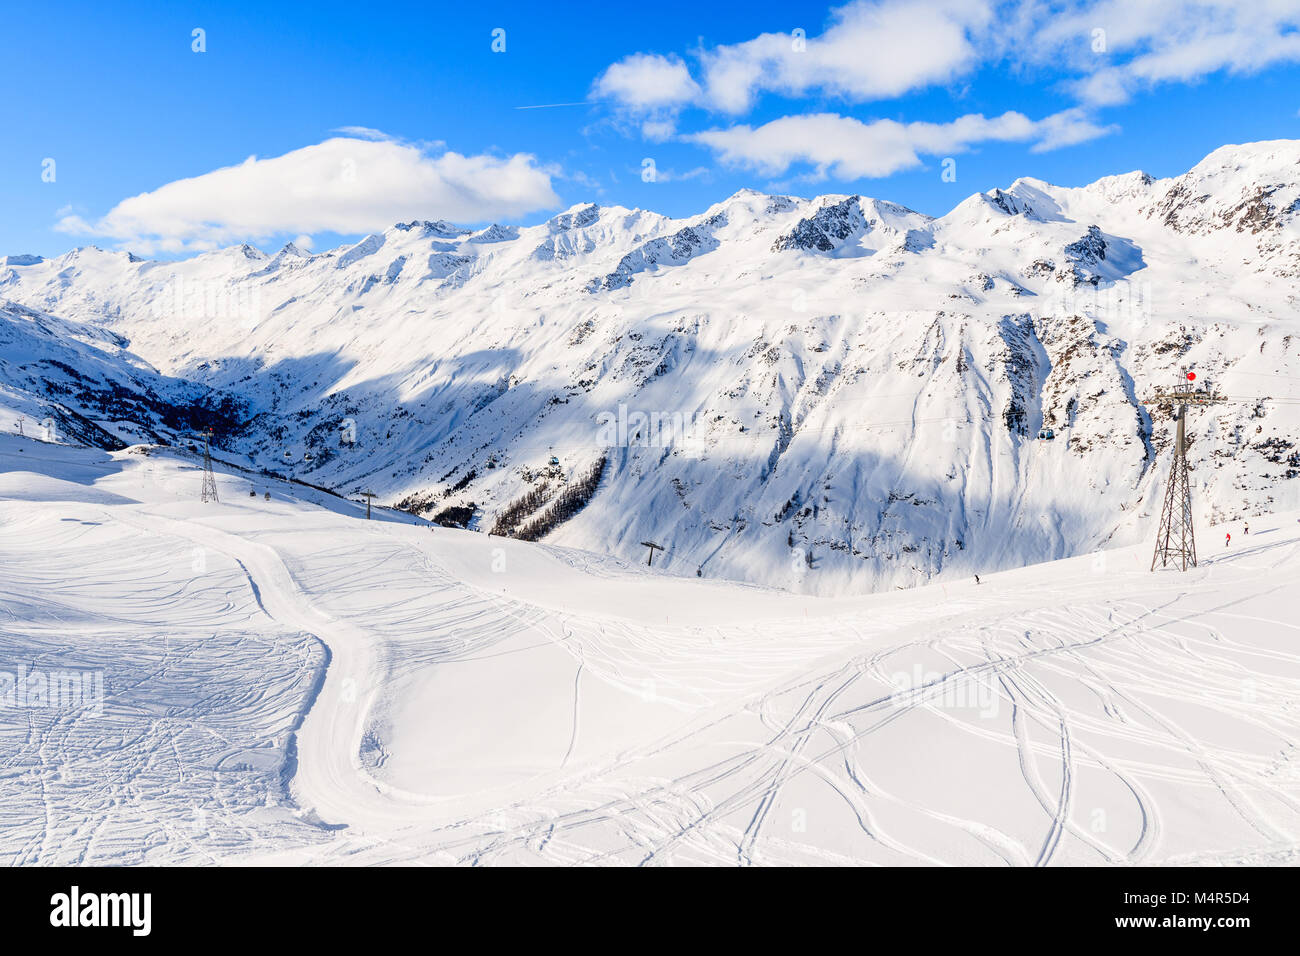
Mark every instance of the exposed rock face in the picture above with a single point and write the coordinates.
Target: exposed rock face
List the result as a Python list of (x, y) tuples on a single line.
[(826, 229)]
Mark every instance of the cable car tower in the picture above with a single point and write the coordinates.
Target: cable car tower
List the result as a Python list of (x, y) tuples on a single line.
[(1176, 539), (209, 492)]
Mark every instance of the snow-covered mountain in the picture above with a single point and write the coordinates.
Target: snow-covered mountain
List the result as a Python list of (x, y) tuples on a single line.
[(72, 382), (828, 395)]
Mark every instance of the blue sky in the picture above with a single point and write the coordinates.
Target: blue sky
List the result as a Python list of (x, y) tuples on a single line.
[(363, 115)]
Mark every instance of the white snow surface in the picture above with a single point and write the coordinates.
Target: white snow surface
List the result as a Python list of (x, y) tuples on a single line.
[(857, 388), (284, 681)]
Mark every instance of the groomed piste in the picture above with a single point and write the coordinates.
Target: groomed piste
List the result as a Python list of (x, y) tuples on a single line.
[(284, 681)]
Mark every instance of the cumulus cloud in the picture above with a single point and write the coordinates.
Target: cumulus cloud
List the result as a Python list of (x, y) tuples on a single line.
[(647, 81), (649, 88), (1122, 47), (847, 149), (344, 185), (1068, 128), (871, 51), (1102, 51)]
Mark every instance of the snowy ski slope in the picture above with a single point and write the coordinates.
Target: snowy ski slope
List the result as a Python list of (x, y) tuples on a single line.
[(284, 681)]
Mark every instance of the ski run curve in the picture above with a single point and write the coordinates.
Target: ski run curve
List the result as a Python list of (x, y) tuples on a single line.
[(479, 700)]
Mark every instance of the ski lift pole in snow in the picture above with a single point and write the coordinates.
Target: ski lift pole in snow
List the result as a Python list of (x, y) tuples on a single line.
[(367, 495), (1175, 536), (209, 492), (651, 556)]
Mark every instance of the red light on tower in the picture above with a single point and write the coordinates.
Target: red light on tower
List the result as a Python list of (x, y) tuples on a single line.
[(1191, 376)]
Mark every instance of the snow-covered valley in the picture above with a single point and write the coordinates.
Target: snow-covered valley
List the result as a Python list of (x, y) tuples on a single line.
[(830, 396)]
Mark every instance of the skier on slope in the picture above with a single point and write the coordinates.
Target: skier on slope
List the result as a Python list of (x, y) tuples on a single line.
[(1227, 539), (977, 579), (1247, 529)]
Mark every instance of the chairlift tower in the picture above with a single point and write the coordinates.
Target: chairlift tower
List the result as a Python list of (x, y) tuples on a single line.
[(1176, 538), (209, 492)]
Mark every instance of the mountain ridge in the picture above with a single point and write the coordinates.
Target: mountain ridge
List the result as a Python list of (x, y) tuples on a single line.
[(851, 403)]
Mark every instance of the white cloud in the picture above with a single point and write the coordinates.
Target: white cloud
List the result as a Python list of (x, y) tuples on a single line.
[(1162, 41), (882, 49), (1100, 51), (673, 176), (650, 89), (1067, 128), (659, 130), (848, 149), (1105, 87), (362, 132), (872, 50), (646, 82), (343, 185)]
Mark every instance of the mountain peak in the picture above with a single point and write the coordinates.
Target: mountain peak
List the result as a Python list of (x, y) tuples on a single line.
[(434, 227), (575, 217), (495, 233), (748, 193), (1265, 154)]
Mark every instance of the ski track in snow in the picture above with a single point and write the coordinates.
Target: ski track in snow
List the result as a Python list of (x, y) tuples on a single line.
[(289, 684)]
